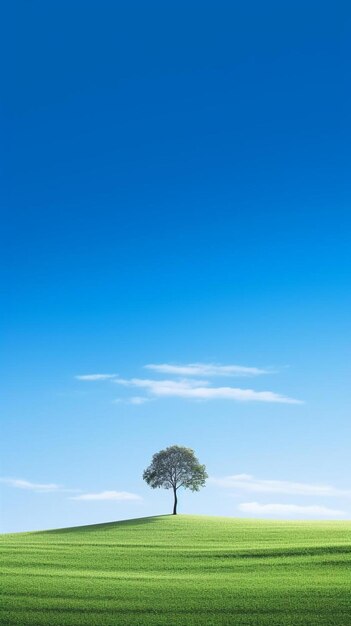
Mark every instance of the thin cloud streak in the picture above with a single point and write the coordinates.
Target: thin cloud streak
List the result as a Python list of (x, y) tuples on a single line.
[(248, 483), (108, 495), (192, 389), (19, 483), (206, 369), (95, 376), (289, 509), (138, 400), (54, 488)]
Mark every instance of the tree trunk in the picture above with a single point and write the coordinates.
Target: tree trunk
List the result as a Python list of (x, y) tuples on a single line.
[(175, 502)]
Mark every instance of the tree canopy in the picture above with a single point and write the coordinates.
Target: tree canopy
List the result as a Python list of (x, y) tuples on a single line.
[(173, 468)]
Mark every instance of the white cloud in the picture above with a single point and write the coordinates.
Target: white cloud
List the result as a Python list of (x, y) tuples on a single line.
[(195, 389), (245, 482), (206, 369), (191, 388), (138, 400), (289, 509), (19, 483), (26, 484), (52, 487), (95, 376), (108, 495)]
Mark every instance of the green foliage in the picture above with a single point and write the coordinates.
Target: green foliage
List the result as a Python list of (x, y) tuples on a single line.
[(175, 467), (183, 570)]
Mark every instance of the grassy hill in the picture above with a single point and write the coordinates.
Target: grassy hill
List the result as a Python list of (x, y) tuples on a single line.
[(183, 570)]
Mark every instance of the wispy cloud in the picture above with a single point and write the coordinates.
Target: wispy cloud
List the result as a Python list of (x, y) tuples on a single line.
[(18, 483), (248, 483), (200, 390), (108, 495), (194, 388), (54, 488), (95, 376), (289, 509), (206, 369), (138, 400)]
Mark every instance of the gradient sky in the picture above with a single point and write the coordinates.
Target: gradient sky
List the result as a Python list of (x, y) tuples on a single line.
[(176, 191)]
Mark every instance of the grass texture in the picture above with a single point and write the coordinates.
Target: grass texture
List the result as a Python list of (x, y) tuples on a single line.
[(183, 570)]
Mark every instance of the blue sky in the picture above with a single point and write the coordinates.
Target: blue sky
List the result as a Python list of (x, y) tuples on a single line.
[(176, 194)]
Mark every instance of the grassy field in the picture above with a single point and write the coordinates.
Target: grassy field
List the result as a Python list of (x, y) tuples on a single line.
[(183, 570)]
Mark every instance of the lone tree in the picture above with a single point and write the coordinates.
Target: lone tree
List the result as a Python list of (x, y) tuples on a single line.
[(173, 468)]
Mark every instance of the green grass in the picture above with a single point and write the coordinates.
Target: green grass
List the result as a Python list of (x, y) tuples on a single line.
[(183, 570)]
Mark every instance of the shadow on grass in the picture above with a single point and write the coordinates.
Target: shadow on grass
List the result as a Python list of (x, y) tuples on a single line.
[(138, 521)]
